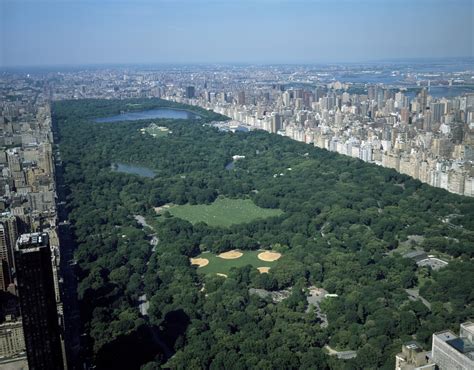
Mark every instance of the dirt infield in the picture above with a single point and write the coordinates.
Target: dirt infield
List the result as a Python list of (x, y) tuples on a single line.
[(219, 274), (269, 256), (263, 270), (231, 255), (201, 262)]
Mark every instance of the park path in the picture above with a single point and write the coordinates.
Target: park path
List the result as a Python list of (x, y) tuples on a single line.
[(141, 220), (414, 294), (343, 355)]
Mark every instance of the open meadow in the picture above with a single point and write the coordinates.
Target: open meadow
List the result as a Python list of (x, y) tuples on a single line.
[(223, 212)]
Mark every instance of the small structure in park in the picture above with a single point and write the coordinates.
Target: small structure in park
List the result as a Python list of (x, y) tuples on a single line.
[(422, 259)]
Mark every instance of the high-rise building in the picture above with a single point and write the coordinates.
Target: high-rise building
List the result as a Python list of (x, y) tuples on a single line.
[(437, 111), (427, 120), (286, 99), (423, 99), (241, 98), (5, 276), (298, 93), (34, 276), (12, 342), (8, 236), (276, 122), (404, 115), (451, 352), (190, 92), (14, 160), (45, 158)]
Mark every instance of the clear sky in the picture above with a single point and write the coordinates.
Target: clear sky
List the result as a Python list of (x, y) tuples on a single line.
[(72, 32)]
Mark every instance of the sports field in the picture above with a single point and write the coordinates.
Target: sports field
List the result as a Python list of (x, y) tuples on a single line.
[(212, 264), (223, 212)]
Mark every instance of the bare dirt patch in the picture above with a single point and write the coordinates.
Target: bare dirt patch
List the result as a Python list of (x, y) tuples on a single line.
[(201, 262), (268, 256), (231, 255), (263, 270), (163, 208)]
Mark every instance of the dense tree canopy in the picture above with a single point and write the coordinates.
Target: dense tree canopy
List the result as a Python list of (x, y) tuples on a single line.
[(342, 223)]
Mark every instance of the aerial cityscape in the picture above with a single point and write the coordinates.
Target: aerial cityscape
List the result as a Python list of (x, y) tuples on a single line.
[(259, 198)]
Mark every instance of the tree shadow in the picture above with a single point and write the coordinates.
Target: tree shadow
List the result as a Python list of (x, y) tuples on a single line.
[(146, 343)]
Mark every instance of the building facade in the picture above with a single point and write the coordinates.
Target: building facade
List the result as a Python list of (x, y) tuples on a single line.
[(12, 341), (38, 302), (452, 352)]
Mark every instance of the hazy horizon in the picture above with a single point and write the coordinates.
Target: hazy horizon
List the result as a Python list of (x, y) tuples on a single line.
[(90, 33)]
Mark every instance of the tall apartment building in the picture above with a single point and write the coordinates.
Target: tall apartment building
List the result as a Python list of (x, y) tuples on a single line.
[(12, 341), (190, 92), (452, 352), (34, 276), (8, 236), (241, 98)]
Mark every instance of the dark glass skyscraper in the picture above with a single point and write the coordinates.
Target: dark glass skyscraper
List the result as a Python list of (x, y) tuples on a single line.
[(190, 92), (34, 276)]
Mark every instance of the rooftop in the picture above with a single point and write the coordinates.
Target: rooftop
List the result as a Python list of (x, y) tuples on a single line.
[(446, 335), (28, 242), (463, 345), (469, 326)]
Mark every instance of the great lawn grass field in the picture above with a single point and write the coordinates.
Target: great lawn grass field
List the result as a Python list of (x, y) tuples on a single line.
[(157, 131), (223, 266), (223, 212)]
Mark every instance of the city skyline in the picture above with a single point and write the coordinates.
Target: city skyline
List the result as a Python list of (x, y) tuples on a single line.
[(262, 32)]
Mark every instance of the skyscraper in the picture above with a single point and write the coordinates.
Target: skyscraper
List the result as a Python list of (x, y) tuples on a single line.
[(276, 122), (190, 92), (34, 276), (8, 236), (423, 98), (437, 111), (241, 98)]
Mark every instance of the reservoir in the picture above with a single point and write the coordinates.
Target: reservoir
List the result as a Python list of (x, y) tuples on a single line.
[(168, 113), (132, 170)]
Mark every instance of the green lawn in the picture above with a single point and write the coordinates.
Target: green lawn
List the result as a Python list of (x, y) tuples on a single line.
[(223, 212), (157, 131), (223, 266)]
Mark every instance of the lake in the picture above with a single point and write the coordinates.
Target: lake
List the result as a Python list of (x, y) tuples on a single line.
[(168, 113), (132, 170)]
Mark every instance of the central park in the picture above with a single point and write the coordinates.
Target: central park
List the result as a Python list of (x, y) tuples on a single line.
[(176, 286)]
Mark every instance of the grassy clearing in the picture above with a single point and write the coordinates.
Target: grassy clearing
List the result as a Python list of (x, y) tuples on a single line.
[(219, 265), (156, 131), (223, 212)]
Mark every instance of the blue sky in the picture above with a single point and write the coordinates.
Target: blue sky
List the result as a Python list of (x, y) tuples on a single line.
[(71, 32)]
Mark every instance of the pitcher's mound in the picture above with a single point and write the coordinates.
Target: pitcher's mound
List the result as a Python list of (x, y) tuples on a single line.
[(201, 262), (231, 255), (263, 270), (269, 256)]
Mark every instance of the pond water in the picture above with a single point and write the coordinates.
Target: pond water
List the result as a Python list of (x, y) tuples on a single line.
[(168, 113), (133, 170)]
